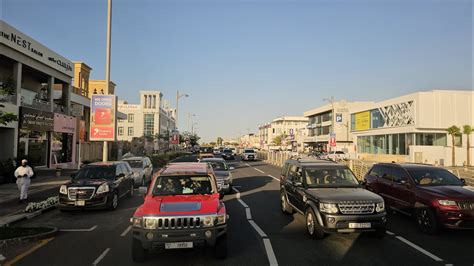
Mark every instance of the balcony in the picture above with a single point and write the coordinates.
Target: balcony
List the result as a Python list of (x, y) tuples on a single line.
[(80, 91)]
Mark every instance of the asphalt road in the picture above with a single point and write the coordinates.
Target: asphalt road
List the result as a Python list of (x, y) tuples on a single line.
[(258, 235)]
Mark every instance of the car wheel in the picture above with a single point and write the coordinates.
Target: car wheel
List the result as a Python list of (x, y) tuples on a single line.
[(130, 193), (312, 226), (139, 254), (220, 249), (114, 202), (426, 220), (285, 207)]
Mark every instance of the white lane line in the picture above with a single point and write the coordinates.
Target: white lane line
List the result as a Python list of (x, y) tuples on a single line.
[(236, 191), (126, 231), (274, 177), (248, 214), (390, 233), (258, 170), (270, 254), (2, 258), (243, 203), (434, 257), (258, 229), (79, 230), (238, 198), (101, 257), (248, 165)]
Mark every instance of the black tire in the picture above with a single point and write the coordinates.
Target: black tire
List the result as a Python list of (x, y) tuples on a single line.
[(139, 254), (130, 193), (113, 203), (284, 206), (426, 221), (220, 249), (313, 228)]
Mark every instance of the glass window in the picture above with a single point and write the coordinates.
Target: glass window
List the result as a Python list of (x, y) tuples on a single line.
[(131, 117), (120, 131), (62, 148), (96, 172), (458, 140), (135, 163), (402, 144), (441, 139), (376, 171), (182, 185), (353, 123), (149, 125), (399, 175), (395, 147), (386, 173), (434, 177), (330, 177), (376, 119), (130, 131)]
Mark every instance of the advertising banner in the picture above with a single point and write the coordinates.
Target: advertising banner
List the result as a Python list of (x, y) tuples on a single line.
[(362, 121), (174, 137), (103, 117), (32, 119), (332, 140)]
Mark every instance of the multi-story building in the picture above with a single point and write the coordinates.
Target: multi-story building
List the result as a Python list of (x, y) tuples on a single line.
[(291, 128), (334, 118), (152, 118), (249, 140), (99, 87), (413, 127)]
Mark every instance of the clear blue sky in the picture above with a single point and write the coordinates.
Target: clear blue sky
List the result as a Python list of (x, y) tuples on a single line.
[(246, 62)]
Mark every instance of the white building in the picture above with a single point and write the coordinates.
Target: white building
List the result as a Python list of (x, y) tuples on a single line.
[(292, 127), (331, 118), (412, 128), (249, 140), (153, 117)]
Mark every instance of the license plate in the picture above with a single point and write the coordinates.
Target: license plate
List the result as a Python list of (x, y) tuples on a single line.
[(177, 245), (359, 225), (80, 203)]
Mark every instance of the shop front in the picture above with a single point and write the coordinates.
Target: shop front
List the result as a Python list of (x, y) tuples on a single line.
[(33, 135), (63, 148)]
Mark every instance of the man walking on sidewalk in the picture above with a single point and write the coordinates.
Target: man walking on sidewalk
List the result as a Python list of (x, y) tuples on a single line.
[(23, 174)]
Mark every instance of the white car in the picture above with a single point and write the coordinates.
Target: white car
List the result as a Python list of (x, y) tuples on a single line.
[(216, 151), (337, 155), (142, 170), (249, 155)]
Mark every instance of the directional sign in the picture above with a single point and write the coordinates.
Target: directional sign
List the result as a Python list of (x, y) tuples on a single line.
[(338, 118)]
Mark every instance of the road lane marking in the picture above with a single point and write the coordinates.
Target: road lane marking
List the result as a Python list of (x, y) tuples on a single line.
[(389, 233), (242, 203), (101, 257), (126, 231), (248, 165), (28, 252), (79, 230), (258, 170), (257, 228), (270, 254), (274, 177), (248, 214), (2, 258), (434, 257), (238, 198)]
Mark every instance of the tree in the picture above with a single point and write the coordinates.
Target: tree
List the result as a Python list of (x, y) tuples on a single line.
[(278, 140), (219, 141), (467, 129), (212, 143), (454, 131), (7, 88)]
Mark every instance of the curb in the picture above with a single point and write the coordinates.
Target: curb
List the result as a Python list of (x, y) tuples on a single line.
[(27, 239), (28, 216)]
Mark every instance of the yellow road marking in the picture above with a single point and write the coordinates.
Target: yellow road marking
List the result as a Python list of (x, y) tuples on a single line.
[(28, 252)]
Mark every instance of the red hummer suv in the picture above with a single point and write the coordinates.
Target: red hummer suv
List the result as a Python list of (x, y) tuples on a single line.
[(433, 195), (182, 209)]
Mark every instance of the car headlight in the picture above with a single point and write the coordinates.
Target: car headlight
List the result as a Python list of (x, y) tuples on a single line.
[(380, 207), (63, 189), (103, 188), (328, 207), (447, 202), (221, 219), (136, 174), (208, 221), (150, 223), (136, 222)]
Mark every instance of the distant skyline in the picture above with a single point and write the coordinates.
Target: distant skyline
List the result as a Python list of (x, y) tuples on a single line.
[(244, 63)]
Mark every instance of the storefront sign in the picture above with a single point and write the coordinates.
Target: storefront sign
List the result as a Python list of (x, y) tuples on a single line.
[(64, 123), (174, 137), (362, 121), (35, 120), (21, 42), (77, 110), (332, 140), (103, 117)]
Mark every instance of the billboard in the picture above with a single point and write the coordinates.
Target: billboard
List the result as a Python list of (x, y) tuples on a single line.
[(332, 140), (362, 121), (174, 137), (104, 109)]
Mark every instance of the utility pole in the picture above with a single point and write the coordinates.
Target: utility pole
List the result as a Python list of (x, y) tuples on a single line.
[(178, 96), (105, 149)]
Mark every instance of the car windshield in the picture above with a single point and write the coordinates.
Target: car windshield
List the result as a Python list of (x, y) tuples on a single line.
[(206, 150), (434, 177), (218, 166), (135, 163), (249, 151), (96, 172), (182, 185), (330, 177), (227, 151)]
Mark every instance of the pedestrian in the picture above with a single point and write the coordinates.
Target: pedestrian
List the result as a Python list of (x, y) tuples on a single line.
[(23, 174)]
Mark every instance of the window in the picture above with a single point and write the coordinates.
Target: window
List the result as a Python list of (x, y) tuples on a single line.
[(376, 120), (376, 171), (149, 124), (130, 131), (385, 173), (284, 171), (458, 140), (399, 175), (120, 131), (130, 118)]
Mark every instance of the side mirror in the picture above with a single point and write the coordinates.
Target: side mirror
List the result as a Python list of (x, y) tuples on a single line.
[(231, 168), (142, 190), (221, 195), (463, 181)]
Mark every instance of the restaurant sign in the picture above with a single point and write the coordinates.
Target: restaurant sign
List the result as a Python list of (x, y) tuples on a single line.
[(35, 120)]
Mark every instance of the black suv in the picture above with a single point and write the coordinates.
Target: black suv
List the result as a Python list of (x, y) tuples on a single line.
[(97, 186), (330, 197)]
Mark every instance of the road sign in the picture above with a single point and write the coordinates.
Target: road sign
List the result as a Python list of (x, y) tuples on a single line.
[(103, 117), (338, 118), (174, 137), (332, 140)]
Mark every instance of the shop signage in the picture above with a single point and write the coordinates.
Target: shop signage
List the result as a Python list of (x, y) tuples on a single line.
[(332, 140), (77, 110), (103, 117), (21, 42), (64, 123), (362, 121), (35, 120), (174, 137)]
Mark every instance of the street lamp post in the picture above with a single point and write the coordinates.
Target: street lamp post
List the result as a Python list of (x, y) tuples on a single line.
[(105, 149), (331, 101), (190, 116), (178, 96)]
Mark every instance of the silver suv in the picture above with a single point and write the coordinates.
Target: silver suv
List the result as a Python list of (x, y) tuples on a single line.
[(142, 170)]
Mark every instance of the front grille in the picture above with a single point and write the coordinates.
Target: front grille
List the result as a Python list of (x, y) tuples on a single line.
[(467, 205), (178, 222), (356, 207), (76, 193)]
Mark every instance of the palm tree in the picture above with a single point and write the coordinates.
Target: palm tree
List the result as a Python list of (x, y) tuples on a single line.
[(453, 131), (467, 129)]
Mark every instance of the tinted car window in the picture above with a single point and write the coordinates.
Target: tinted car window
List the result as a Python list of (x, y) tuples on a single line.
[(330, 176), (376, 171), (97, 172), (434, 177), (182, 185), (399, 175), (135, 163), (386, 172), (292, 172), (284, 171)]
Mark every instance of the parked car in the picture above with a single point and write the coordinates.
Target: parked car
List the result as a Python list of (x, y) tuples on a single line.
[(249, 155), (182, 209), (97, 186), (336, 156), (223, 174), (142, 170), (228, 155), (330, 198), (217, 151), (234, 151), (433, 195)]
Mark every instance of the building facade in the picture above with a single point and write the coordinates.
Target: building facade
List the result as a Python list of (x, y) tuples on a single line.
[(290, 128), (99, 87), (412, 128)]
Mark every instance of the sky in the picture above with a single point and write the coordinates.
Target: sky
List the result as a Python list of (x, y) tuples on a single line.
[(244, 63)]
